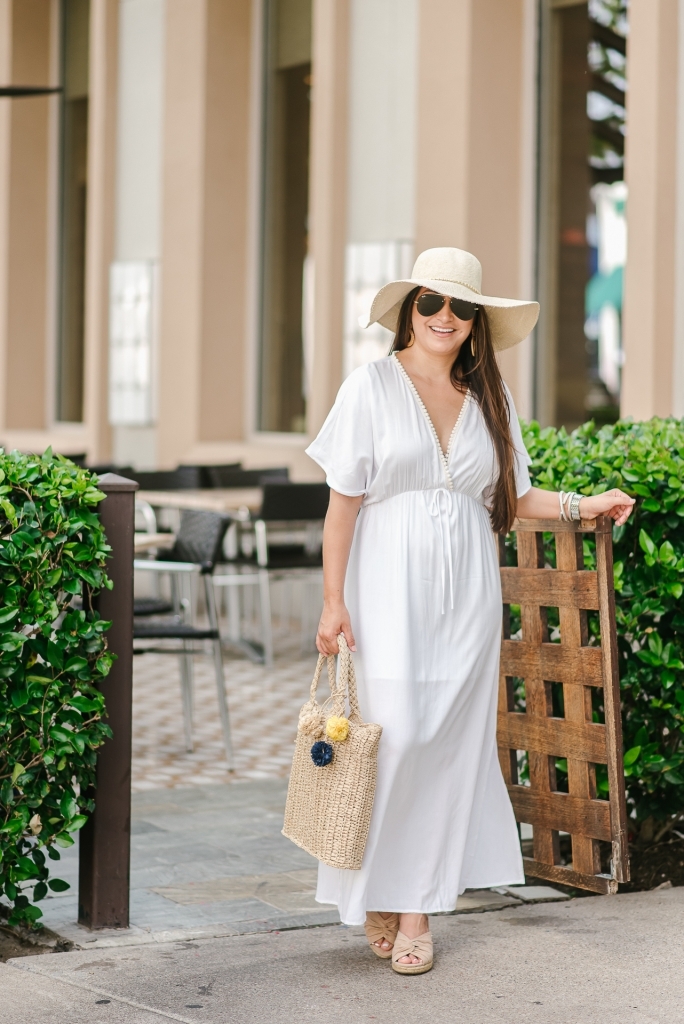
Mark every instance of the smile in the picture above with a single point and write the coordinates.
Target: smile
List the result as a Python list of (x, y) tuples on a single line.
[(442, 330)]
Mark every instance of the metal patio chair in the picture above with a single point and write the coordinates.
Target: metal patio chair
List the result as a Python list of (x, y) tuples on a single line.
[(282, 540), (193, 557)]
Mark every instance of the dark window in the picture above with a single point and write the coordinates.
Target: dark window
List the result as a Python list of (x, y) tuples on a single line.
[(287, 86), (582, 211), (73, 192)]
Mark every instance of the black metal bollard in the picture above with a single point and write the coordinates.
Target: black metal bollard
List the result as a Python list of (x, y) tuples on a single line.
[(105, 840)]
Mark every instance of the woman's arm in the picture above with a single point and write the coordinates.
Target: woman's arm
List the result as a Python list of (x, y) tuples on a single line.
[(538, 504), (338, 534)]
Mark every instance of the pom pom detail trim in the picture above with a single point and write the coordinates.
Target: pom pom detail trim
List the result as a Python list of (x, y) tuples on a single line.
[(321, 754), (337, 729), (311, 724)]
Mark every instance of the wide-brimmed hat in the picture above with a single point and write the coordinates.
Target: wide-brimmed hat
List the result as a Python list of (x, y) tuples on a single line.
[(457, 273)]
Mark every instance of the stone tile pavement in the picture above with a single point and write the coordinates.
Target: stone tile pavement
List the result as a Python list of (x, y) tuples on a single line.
[(205, 861), (264, 705)]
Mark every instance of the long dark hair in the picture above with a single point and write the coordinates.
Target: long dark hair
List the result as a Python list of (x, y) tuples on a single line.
[(481, 374)]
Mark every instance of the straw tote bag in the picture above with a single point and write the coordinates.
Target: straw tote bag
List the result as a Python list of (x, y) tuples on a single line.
[(332, 784)]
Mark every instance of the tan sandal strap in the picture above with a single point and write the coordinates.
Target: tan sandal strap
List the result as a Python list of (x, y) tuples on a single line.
[(378, 928), (420, 947)]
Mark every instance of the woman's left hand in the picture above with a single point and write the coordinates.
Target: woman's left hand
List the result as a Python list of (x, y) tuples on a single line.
[(615, 504)]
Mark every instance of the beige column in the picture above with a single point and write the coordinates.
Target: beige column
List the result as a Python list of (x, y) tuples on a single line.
[(222, 368), (475, 146), (328, 200), (182, 223), (500, 213), (24, 184), (100, 221), (651, 172), (443, 122), (202, 319)]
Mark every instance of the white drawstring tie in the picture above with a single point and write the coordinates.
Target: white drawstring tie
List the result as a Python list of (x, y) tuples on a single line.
[(439, 510)]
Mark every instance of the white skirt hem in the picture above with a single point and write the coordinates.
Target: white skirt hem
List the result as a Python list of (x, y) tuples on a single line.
[(432, 910)]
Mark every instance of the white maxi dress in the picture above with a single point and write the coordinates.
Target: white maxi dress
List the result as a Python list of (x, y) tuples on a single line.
[(424, 596)]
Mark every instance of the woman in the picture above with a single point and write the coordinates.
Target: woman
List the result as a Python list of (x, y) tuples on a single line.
[(425, 461)]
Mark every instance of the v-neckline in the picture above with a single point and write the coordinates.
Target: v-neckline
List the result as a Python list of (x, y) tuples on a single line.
[(445, 456)]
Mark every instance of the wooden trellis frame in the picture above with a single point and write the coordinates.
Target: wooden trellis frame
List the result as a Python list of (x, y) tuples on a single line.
[(579, 667)]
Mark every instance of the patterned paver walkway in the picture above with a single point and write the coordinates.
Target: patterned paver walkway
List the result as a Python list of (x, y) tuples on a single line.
[(264, 705)]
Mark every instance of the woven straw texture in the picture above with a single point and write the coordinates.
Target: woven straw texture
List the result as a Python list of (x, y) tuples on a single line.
[(328, 808)]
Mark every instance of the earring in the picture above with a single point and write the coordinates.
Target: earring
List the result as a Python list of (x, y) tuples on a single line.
[(411, 338), (472, 346)]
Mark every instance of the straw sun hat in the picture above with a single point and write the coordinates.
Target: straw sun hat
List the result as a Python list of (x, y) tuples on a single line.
[(458, 274)]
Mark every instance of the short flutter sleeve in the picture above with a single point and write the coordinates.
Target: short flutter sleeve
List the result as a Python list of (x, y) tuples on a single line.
[(344, 446), (522, 458)]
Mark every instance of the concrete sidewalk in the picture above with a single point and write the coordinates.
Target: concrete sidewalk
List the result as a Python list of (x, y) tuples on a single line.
[(606, 960), (210, 861)]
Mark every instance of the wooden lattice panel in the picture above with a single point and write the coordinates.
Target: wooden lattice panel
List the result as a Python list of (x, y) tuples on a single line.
[(546, 737)]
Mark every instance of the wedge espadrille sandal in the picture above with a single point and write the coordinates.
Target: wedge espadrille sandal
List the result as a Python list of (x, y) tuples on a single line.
[(420, 947), (378, 928)]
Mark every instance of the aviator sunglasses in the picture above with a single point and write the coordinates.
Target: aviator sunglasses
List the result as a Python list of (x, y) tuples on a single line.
[(430, 303)]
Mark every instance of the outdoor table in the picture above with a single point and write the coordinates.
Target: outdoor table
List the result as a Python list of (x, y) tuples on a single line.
[(218, 499), (146, 541)]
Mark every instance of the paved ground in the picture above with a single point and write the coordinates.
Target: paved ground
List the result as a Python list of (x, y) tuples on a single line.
[(205, 860), (607, 960), (264, 706), (216, 888), (210, 861)]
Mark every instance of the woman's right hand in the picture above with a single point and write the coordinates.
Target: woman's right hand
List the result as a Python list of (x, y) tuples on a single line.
[(334, 620)]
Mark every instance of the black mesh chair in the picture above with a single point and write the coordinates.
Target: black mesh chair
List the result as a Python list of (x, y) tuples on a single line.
[(236, 476), (283, 507), (180, 479), (283, 539), (146, 522), (195, 554)]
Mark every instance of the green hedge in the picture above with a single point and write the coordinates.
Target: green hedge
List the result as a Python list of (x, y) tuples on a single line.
[(52, 655), (647, 461)]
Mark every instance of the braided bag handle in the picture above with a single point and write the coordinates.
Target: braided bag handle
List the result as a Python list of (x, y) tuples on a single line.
[(343, 686), (346, 682), (317, 675)]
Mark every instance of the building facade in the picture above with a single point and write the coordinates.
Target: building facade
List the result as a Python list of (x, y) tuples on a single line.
[(193, 222)]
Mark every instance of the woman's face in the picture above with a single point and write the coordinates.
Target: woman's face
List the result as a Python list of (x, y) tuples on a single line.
[(441, 334)]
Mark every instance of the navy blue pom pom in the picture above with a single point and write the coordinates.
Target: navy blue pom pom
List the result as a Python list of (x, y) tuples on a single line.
[(321, 753)]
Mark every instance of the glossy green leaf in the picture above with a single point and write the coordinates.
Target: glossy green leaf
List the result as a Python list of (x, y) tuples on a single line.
[(85, 704), (64, 840), (39, 891), (19, 698), (9, 510), (58, 884), (76, 665), (77, 822), (68, 806)]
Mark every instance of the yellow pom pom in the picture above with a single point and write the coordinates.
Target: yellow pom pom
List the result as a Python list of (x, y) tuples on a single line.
[(337, 729), (311, 724)]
